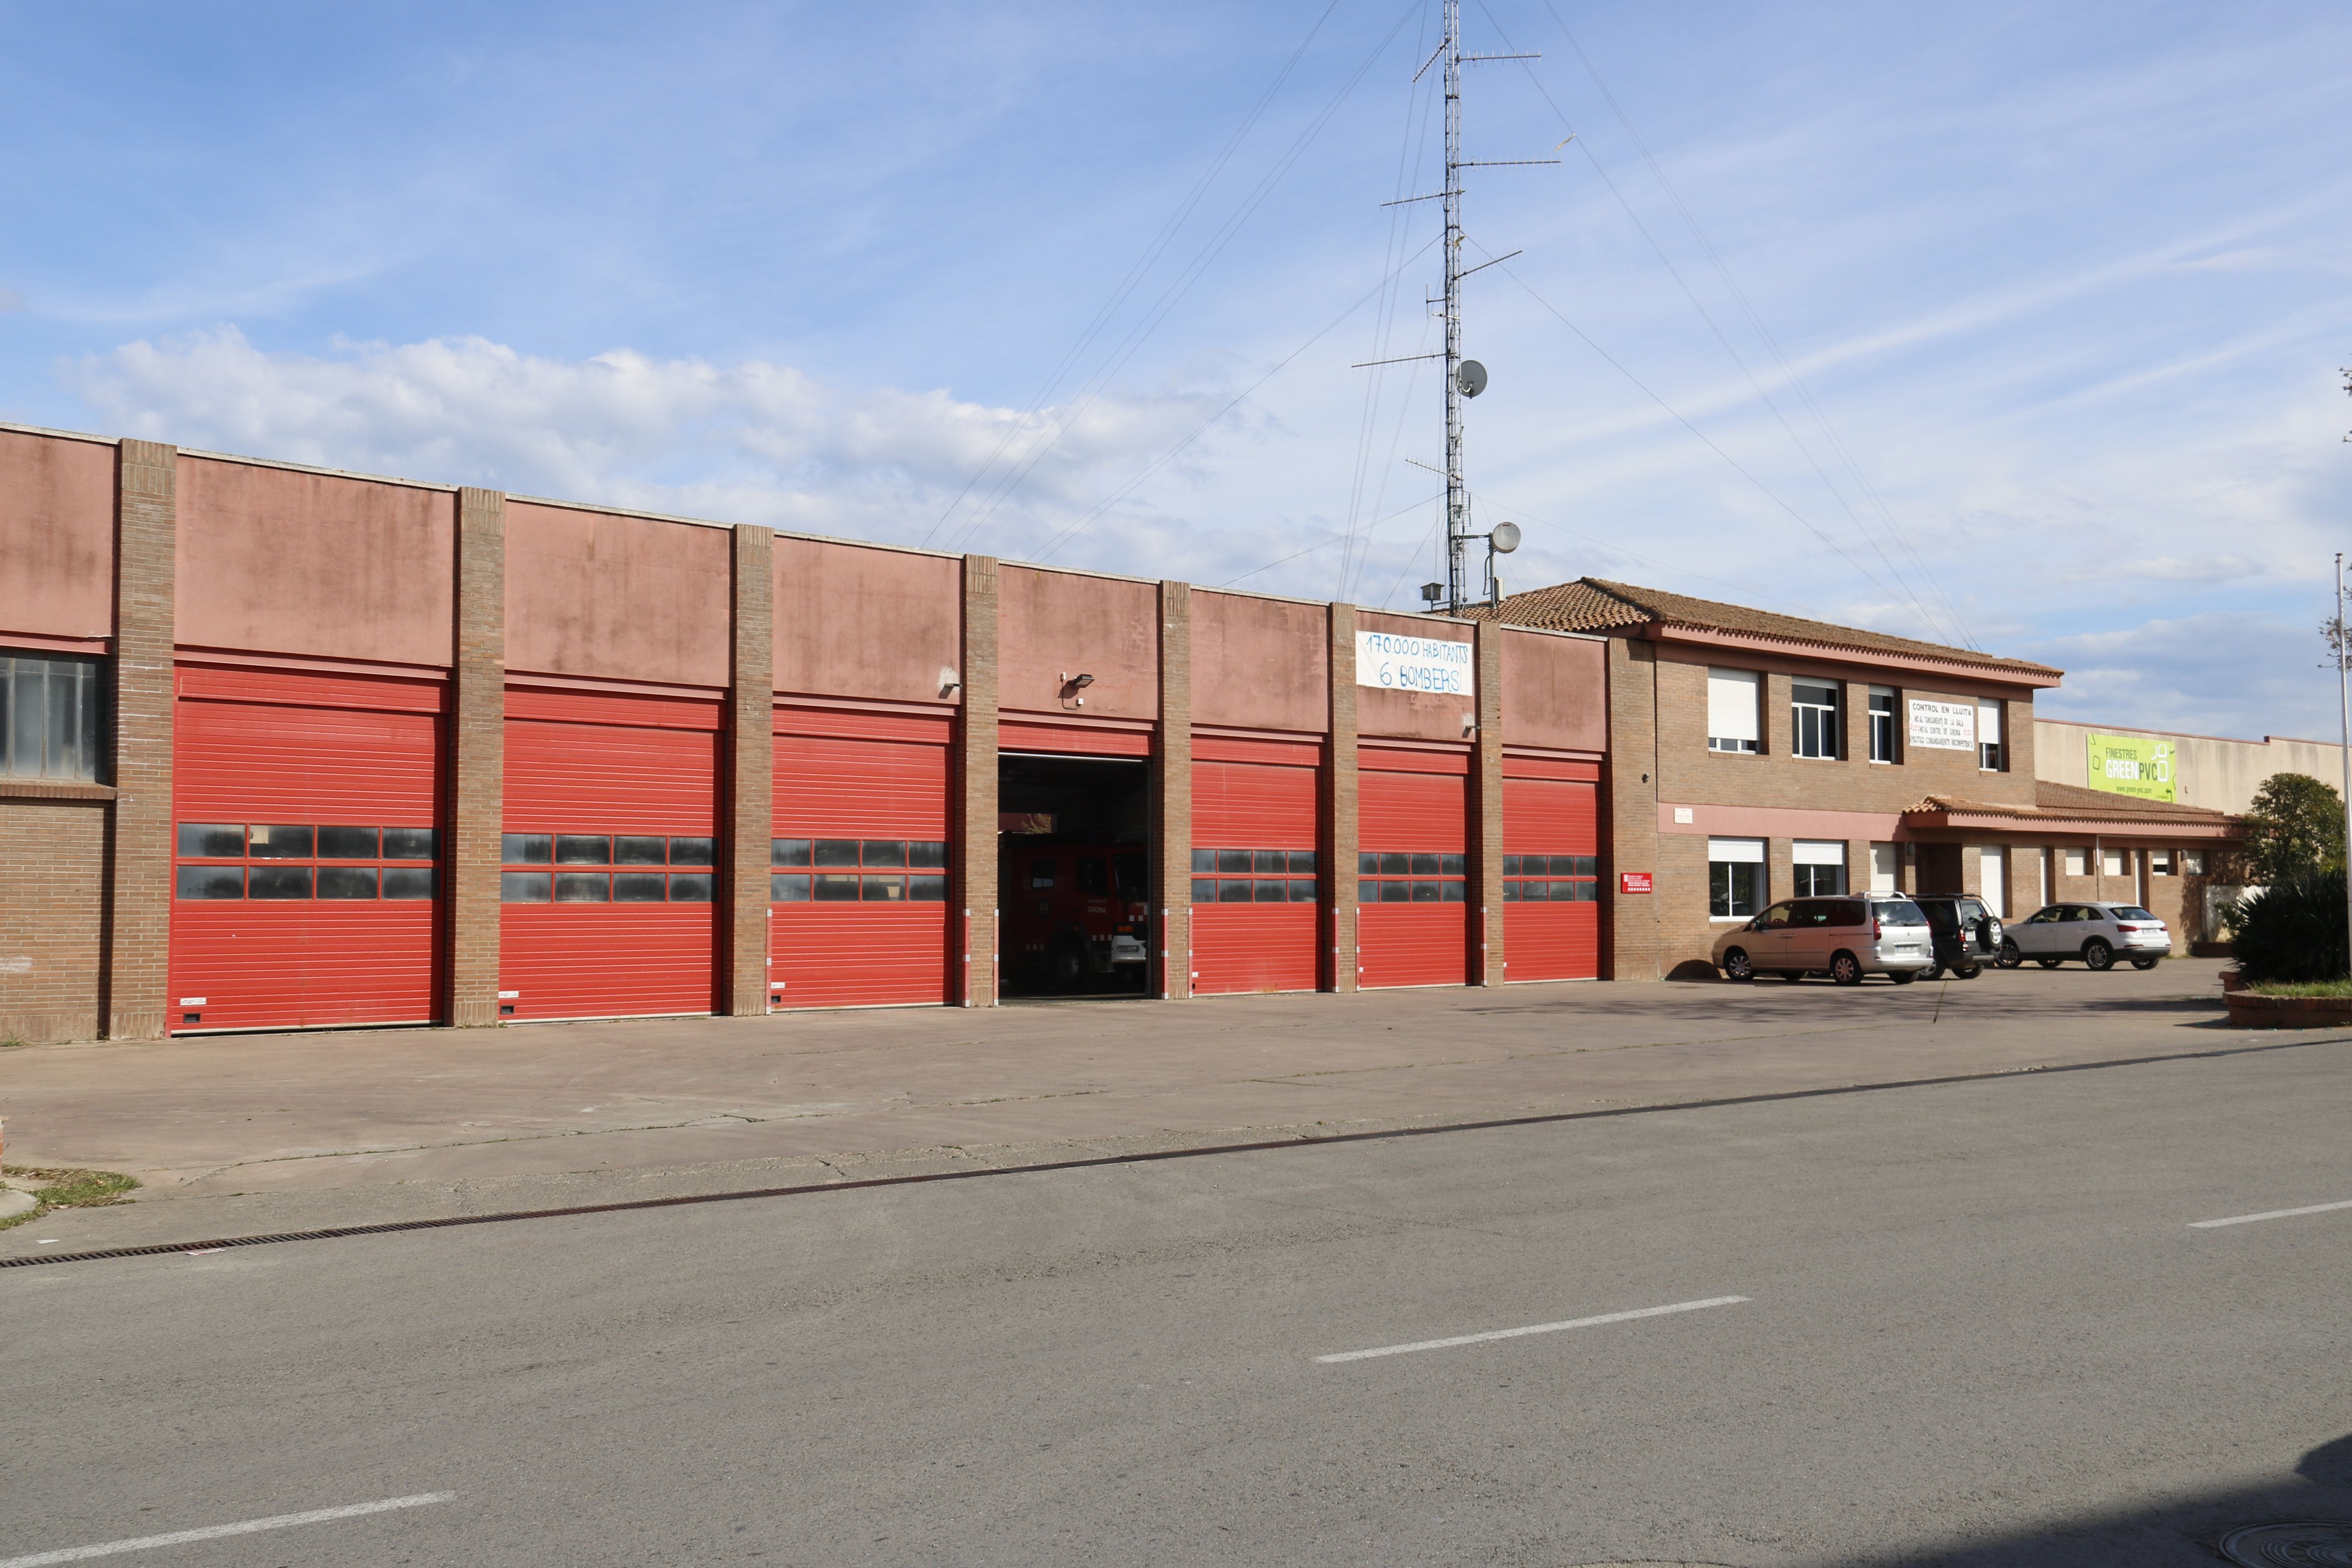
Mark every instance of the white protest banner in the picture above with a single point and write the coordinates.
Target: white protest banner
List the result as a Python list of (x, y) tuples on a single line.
[(1414, 664), (1943, 726)]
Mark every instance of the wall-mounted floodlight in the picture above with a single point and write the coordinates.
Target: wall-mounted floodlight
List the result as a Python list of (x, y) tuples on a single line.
[(950, 681)]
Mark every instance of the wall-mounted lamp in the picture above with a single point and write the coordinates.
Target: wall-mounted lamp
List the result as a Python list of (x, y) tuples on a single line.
[(1074, 684), (1469, 726), (950, 681)]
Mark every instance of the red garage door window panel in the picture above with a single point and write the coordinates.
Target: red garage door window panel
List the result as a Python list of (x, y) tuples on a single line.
[(576, 775), (280, 761), (1416, 814), (1550, 940), (864, 954), (1238, 947)]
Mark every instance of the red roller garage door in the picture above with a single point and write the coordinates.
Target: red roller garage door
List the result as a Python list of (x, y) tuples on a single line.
[(1551, 835), (858, 881), (1412, 828), (306, 836), (611, 808), (1254, 885)]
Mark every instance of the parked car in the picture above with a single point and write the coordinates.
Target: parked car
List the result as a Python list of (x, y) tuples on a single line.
[(1967, 934), (1845, 937), (2097, 933)]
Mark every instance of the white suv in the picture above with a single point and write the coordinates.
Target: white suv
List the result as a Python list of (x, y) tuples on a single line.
[(2097, 933)]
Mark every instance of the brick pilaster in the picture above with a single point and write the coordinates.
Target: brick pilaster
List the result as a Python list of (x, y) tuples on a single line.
[(1853, 723), (1171, 801), (1488, 959), (974, 850), (138, 905), (750, 772), (1630, 923), (477, 750), (1337, 853)]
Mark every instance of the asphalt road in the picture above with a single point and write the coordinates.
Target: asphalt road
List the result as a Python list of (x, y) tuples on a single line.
[(1979, 1327)]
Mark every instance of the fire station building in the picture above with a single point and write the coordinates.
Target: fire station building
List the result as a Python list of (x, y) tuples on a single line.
[(282, 747)]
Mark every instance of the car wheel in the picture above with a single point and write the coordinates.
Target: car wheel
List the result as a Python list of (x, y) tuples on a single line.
[(1967, 970), (2099, 956), (2144, 964), (2009, 957), (1903, 977), (1935, 973), (1845, 969), (1738, 965)]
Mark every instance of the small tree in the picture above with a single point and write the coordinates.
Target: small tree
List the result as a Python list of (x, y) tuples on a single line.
[(2295, 824), (2294, 929)]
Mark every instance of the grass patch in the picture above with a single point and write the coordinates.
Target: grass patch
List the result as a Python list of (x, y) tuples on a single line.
[(2302, 988), (61, 1189)]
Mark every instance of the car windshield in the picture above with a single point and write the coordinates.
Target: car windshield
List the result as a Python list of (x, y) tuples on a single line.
[(2129, 913), (1899, 912)]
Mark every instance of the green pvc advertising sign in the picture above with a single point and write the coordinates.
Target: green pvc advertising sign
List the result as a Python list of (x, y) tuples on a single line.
[(2137, 766)]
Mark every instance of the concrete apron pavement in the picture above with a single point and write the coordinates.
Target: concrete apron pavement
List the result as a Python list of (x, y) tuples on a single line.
[(232, 1134)]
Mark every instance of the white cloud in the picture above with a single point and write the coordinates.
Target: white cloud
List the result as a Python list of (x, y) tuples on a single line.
[(747, 442), (2237, 674)]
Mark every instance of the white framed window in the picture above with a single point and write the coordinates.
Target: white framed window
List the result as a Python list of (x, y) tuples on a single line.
[(1812, 718), (2078, 862), (1731, 710), (1991, 757), (1735, 878), (1882, 868), (2192, 862), (1818, 867), (1882, 724), (1992, 879), (2160, 862)]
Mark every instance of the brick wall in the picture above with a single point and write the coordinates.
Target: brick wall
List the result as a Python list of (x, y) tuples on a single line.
[(750, 772), (52, 918), (1488, 959), (974, 894), (139, 915), (1170, 947), (477, 757), (1337, 780)]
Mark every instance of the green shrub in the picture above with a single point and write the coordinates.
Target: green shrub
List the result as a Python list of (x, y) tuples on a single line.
[(2294, 930)]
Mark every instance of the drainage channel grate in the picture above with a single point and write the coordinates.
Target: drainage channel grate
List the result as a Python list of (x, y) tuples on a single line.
[(2308, 1543)]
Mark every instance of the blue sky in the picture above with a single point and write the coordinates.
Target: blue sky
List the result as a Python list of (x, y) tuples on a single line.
[(2019, 326)]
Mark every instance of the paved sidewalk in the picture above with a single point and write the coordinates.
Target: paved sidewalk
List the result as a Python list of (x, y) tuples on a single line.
[(260, 1132)]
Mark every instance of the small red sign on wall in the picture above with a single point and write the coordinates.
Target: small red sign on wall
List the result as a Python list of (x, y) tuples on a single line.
[(1633, 882)]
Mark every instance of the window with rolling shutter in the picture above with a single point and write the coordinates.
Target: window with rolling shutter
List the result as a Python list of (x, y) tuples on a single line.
[(1732, 711)]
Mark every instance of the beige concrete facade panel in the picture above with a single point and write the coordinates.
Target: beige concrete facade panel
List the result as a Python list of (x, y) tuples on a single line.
[(57, 537), (279, 561), (852, 621), (617, 598), (1554, 691), (1057, 625), (2212, 772), (1260, 664)]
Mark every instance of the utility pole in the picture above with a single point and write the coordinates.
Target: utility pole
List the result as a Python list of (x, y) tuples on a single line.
[(2344, 701)]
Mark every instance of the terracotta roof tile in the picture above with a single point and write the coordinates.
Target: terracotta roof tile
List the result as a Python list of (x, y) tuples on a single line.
[(1593, 604), (2076, 804)]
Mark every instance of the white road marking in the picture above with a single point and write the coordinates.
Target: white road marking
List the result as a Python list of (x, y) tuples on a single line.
[(1514, 1333), (2207, 1225), (214, 1532)]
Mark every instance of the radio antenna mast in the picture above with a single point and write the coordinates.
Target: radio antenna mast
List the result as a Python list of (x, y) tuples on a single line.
[(1464, 379)]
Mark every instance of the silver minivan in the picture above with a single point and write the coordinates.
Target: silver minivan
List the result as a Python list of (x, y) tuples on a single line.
[(1845, 938)]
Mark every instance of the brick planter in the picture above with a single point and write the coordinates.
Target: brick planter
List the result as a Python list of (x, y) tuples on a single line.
[(2249, 1010)]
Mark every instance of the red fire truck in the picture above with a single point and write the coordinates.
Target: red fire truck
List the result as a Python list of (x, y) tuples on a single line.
[(1076, 913)]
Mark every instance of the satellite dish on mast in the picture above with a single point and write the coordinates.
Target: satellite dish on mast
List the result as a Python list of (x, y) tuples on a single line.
[(1471, 377), (1506, 538)]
